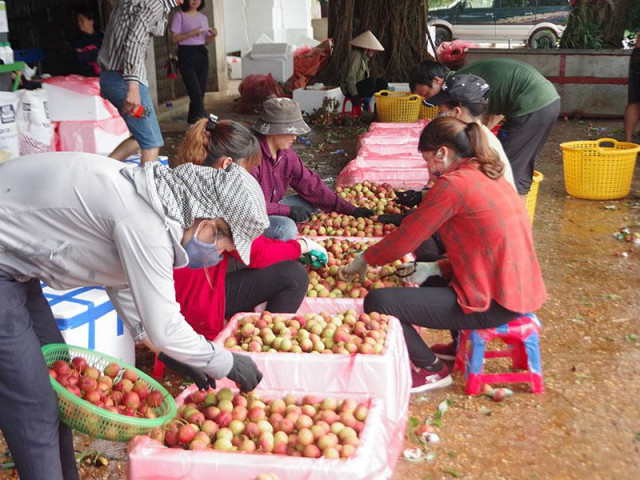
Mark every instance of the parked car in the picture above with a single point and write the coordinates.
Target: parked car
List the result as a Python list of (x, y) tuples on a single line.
[(537, 23)]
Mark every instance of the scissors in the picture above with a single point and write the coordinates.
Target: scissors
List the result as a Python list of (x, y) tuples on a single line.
[(406, 270)]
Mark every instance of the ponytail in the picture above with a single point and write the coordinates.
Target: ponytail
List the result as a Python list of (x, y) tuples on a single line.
[(466, 139), (208, 140), (487, 157)]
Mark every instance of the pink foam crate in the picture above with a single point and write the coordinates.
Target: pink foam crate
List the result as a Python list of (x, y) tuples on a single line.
[(374, 139), (375, 457), (412, 178), (384, 160), (401, 128), (391, 151), (330, 305)]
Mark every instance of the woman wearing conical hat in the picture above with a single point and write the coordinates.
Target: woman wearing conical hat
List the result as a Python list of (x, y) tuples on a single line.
[(355, 81)]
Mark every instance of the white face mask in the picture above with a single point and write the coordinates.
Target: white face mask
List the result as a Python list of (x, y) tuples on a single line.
[(202, 254)]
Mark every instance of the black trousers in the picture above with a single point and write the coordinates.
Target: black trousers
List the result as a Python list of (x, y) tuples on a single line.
[(193, 63), (369, 86), (523, 137), (282, 285), (430, 307), (40, 445)]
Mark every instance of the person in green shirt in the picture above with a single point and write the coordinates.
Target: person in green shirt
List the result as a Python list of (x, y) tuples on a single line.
[(528, 102), (355, 80)]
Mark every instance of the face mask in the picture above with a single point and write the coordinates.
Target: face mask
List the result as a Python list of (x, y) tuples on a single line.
[(202, 254)]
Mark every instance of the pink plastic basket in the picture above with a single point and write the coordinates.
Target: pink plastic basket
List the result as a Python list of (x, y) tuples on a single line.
[(375, 457)]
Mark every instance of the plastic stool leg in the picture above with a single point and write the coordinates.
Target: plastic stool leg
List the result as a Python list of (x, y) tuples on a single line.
[(519, 356), (475, 364), (461, 352)]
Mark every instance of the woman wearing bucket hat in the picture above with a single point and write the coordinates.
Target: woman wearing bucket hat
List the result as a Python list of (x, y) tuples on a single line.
[(274, 274), (355, 81), (76, 219), (280, 168)]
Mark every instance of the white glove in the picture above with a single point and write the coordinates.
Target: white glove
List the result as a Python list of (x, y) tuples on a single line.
[(421, 271), (357, 267), (306, 245)]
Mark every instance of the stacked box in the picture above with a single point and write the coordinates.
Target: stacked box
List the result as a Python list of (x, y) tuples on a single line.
[(86, 318), (148, 459)]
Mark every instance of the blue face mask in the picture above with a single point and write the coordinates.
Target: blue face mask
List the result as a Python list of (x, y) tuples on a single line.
[(202, 254)]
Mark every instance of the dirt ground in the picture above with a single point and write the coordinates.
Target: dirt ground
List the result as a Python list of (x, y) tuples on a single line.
[(587, 423)]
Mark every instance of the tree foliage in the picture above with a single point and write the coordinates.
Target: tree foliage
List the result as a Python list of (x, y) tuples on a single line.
[(400, 25), (600, 23)]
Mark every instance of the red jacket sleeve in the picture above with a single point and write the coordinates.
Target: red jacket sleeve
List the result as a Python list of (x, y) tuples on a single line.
[(267, 251)]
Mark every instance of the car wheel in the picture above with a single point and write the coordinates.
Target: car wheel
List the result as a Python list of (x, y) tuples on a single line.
[(442, 35), (543, 39)]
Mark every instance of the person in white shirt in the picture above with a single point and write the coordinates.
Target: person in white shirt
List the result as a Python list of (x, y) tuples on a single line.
[(79, 219)]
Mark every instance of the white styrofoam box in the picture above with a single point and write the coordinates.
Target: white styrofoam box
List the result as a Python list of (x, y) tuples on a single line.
[(256, 4), (294, 35), (399, 86), (270, 51), (135, 160), (76, 99), (235, 27), (297, 13), (86, 318), (308, 41), (234, 67), (281, 69), (269, 35), (311, 100), (264, 19), (98, 136)]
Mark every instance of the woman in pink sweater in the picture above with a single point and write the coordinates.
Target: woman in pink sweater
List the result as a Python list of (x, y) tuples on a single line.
[(274, 275)]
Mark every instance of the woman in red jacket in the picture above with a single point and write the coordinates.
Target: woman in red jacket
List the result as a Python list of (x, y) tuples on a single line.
[(274, 275), (491, 264)]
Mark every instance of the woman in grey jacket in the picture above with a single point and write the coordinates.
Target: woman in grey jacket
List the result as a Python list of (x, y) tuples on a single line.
[(77, 219)]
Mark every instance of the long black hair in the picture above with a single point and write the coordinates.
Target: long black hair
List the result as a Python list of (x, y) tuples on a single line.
[(185, 5)]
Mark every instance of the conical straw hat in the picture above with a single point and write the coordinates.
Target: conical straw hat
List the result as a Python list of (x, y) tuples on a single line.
[(367, 40)]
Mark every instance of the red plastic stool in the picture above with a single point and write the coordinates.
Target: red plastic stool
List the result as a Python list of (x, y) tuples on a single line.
[(521, 336), (356, 110)]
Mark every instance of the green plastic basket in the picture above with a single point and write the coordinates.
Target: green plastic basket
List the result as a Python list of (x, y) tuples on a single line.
[(98, 422)]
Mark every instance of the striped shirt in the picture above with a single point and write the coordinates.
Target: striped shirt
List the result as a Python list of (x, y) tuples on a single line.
[(127, 36)]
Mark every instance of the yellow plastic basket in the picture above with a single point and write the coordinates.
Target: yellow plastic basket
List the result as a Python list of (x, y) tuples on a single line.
[(531, 197), (397, 107), (597, 172), (98, 422), (425, 111)]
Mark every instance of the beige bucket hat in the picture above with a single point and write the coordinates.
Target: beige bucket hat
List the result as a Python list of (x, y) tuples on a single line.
[(367, 40), (281, 116)]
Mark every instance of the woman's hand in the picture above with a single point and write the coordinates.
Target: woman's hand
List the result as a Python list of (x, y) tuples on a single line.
[(357, 267)]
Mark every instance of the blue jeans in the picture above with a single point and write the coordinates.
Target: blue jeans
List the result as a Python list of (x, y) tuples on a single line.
[(40, 445), (146, 131), (284, 228)]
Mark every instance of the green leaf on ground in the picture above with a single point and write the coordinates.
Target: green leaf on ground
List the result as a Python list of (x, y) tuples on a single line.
[(413, 422), (452, 454), (453, 472), (631, 337), (638, 436)]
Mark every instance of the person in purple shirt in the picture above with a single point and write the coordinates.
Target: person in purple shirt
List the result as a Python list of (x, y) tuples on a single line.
[(277, 128), (190, 30)]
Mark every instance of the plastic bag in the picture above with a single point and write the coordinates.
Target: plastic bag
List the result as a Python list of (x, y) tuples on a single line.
[(254, 90), (9, 141), (35, 132), (452, 53)]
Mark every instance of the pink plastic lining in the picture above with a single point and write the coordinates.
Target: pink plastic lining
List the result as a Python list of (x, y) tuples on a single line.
[(375, 458), (413, 177), (89, 86)]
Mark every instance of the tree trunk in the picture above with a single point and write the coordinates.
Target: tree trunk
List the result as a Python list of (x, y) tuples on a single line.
[(400, 25), (597, 24)]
